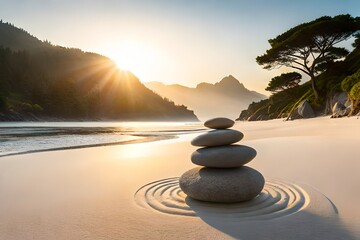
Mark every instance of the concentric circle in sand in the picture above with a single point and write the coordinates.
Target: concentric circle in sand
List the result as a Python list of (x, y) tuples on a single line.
[(278, 199)]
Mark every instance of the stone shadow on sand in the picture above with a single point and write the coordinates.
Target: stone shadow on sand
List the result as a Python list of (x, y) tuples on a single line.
[(306, 224)]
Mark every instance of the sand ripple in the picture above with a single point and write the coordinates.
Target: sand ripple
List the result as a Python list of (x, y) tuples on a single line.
[(278, 199)]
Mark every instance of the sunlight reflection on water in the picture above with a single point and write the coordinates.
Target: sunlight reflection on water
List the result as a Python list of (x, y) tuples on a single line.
[(21, 137)]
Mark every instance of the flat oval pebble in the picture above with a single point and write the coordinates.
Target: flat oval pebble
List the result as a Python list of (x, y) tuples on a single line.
[(227, 185), (223, 156), (219, 123), (217, 138)]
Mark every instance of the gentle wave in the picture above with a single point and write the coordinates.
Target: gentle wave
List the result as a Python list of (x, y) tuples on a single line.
[(29, 137)]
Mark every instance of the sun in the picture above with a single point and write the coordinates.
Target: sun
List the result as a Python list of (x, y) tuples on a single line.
[(137, 58)]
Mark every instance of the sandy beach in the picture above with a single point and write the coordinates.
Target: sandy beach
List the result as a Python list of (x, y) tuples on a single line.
[(102, 192)]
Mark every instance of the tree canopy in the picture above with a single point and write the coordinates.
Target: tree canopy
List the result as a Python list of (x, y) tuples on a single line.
[(284, 81), (311, 47)]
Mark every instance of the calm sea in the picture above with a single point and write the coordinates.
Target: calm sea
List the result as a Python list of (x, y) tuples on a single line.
[(25, 137)]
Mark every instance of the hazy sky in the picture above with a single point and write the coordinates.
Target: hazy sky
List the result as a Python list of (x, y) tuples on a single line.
[(173, 41)]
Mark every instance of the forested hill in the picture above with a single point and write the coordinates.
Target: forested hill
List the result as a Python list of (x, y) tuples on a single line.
[(46, 82)]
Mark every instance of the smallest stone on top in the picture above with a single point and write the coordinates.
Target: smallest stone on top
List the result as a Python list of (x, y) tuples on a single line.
[(219, 123)]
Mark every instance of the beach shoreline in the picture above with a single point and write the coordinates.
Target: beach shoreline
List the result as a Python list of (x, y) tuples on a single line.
[(89, 193), (25, 138)]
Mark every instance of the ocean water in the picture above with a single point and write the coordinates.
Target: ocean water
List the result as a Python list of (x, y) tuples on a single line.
[(27, 137)]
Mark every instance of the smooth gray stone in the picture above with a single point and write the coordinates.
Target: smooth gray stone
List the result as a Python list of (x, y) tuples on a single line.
[(305, 110), (226, 185), (223, 156), (217, 138), (219, 123)]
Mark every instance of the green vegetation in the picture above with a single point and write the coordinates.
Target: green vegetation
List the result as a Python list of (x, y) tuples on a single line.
[(309, 48), (284, 81), (42, 81), (351, 85), (350, 81), (355, 91)]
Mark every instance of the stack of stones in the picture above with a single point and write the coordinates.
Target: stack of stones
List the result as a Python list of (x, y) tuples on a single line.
[(222, 177)]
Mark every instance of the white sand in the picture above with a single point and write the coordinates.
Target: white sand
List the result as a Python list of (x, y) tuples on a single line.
[(89, 193)]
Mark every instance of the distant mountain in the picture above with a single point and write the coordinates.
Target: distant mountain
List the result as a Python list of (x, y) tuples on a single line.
[(225, 98), (41, 81)]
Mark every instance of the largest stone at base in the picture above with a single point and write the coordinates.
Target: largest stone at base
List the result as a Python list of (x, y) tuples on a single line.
[(222, 185)]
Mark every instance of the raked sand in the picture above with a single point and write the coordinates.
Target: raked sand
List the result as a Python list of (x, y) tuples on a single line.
[(130, 191)]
